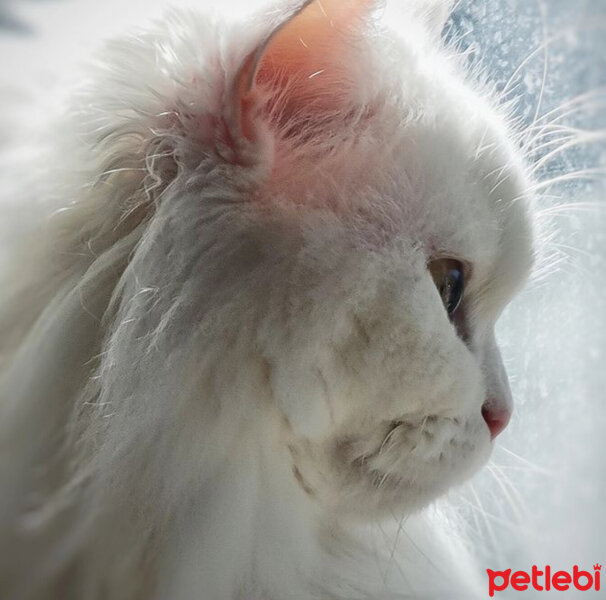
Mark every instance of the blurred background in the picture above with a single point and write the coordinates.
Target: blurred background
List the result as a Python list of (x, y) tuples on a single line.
[(542, 498)]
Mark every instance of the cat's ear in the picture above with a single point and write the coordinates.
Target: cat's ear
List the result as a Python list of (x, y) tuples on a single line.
[(303, 65)]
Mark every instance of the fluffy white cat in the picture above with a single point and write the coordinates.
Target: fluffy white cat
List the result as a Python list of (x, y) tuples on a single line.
[(257, 323)]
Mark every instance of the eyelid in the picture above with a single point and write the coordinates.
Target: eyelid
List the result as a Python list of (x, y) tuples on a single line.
[(467, 266)]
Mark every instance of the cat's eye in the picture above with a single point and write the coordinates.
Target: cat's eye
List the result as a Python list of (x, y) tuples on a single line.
[(448, 275)]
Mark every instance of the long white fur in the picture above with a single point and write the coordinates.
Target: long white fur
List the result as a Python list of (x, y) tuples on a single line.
[(203, 359)]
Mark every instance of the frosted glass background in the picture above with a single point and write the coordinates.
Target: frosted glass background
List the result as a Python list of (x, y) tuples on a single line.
[(542, 498)]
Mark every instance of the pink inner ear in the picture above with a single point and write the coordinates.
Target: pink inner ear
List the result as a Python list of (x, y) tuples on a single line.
[(306, 59)]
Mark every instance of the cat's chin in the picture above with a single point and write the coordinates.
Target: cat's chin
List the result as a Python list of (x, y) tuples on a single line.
[(396, 489), (401, 466), (407, 488)]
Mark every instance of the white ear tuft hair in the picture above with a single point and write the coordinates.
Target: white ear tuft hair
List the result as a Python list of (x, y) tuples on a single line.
[(433, 14)]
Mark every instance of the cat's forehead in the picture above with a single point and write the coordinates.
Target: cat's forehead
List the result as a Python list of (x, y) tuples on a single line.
[(462, 182), (449, 179), (475, 185)]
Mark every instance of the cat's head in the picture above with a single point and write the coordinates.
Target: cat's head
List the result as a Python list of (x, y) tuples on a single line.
[(346, 219)]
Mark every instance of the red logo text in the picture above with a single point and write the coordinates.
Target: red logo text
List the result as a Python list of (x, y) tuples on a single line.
[(544, 580)]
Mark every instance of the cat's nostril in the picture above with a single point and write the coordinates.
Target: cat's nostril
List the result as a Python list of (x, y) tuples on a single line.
[(496, 418)]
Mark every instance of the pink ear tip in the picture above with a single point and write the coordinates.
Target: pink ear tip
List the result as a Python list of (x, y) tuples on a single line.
[(496, 418)]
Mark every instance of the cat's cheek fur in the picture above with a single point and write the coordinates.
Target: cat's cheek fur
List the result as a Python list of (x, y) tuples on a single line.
[(381, 400), (392, 468)]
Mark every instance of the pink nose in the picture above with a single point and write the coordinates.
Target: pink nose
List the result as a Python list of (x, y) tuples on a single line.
[(496, 419)]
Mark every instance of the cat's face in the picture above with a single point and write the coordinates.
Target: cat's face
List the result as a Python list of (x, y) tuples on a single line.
[(390, 377), (413, 238), (366, 226)]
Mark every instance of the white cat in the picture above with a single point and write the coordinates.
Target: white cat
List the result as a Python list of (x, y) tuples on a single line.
[(258, 322)]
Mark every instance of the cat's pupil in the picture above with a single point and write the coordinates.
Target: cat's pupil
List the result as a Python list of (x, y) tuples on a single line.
[(452, 290), (448, 276)]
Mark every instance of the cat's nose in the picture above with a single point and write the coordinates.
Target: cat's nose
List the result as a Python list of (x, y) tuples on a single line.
[(496, 417), (498, 404)]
